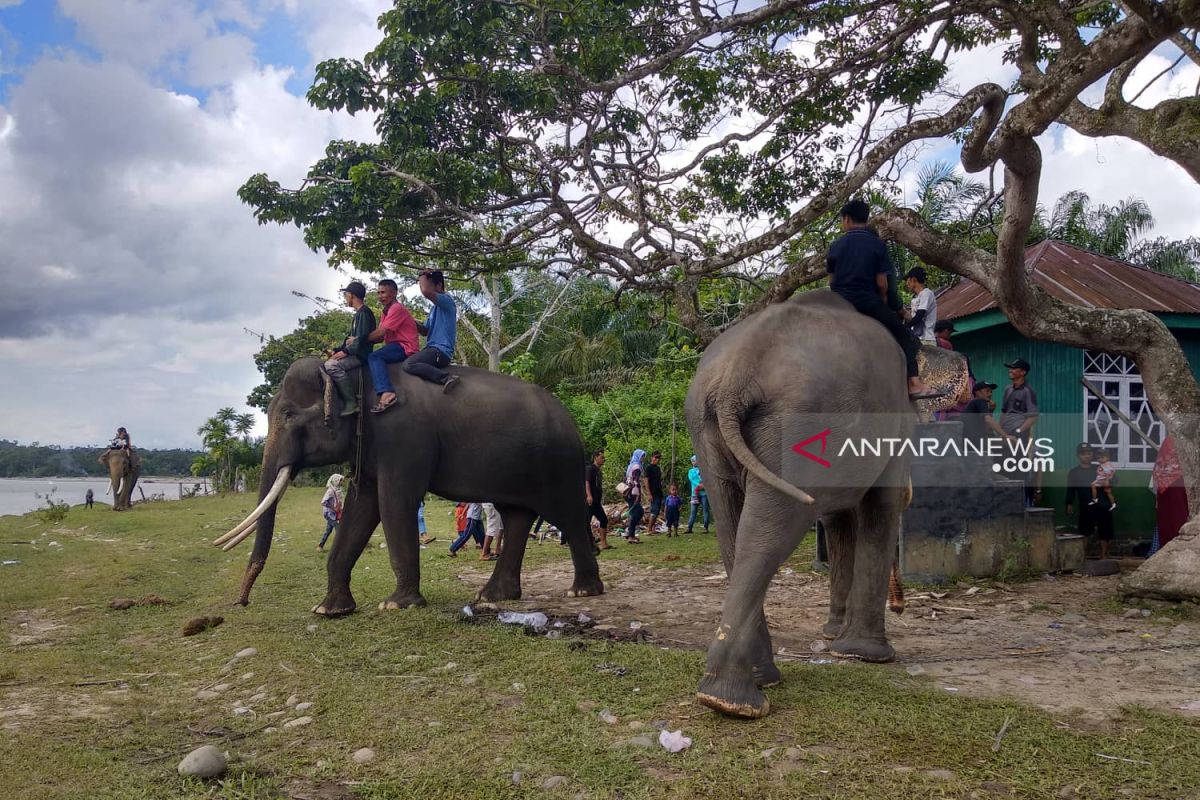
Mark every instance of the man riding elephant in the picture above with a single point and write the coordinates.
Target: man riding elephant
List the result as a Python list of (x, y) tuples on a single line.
[(355, 349)]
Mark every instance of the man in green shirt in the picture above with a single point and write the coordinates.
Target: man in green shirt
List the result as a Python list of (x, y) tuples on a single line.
[(354, 350)]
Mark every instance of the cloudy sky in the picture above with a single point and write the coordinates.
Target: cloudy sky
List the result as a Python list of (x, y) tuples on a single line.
[(129, 269)]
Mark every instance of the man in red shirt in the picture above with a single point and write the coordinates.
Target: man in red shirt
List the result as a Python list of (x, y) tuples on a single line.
[(398, 332)]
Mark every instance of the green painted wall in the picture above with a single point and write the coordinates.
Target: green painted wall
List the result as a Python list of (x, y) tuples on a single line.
[(989, 341)]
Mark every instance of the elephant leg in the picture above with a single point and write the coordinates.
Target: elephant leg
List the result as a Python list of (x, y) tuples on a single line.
[(360, 515), (727, 501), (862, 634), (399, 517), (770, 528), (505, 583), (577, 531), (839, 539)]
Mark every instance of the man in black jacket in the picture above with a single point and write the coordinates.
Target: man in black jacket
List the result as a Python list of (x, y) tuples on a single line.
[(859, 266), (355, 348)]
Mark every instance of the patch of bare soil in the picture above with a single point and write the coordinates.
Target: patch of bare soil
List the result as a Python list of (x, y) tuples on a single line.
[(30, 627), (1051, 642), (19, 705)]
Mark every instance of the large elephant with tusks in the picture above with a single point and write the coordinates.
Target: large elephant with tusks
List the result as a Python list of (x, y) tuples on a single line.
[(124, 468), (812, 365), (494, 438)]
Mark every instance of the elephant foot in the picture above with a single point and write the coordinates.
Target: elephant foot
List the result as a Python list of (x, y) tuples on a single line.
[(396, 601), (733, 698), (831, 630), (336, 604), (586, 587), (498, 589), (876, 651), (767, 675)]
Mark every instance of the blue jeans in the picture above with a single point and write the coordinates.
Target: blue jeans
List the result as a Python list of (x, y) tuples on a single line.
[(635, 516), (330, 526), (421, 519), (696, 509), (378, 361), (474, 530)]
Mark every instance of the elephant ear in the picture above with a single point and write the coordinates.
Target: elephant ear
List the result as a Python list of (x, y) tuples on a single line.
[(944, 370)]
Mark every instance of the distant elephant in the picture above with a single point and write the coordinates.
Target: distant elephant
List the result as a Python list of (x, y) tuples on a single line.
[(124, 467), (759, 391), (494, 438)]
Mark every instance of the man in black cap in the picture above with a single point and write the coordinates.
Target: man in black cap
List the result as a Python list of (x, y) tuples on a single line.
[(1018, 415), (355, 348), (977, 420), (858, 264)]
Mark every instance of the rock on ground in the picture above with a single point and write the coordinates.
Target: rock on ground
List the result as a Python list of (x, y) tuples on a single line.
[(298, 722), (203, 762), (553, 782), (364, 755)]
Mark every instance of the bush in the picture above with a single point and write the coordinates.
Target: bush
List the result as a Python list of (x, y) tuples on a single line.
[(54, 511)]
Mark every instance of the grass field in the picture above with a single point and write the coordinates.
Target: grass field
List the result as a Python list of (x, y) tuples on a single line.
[(101, 703)]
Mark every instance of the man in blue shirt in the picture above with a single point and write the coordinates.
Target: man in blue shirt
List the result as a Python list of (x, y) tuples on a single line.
[(859, 265), (440, 331)]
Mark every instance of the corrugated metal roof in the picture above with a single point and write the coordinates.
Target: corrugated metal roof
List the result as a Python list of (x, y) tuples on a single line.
[(1084, 278)]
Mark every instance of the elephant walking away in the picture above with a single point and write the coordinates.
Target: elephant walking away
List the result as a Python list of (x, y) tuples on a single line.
[(495, 438), (811, 358), (124, 468)]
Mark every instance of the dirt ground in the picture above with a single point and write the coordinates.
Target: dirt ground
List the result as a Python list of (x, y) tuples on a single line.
[(1057, 642)]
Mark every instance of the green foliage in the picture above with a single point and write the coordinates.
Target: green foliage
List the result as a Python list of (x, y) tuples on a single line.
[(645, 413), (226, 435), (52, 511), (51, 461)]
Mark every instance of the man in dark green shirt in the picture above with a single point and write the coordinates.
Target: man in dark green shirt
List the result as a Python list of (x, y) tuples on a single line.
[(354, 350)]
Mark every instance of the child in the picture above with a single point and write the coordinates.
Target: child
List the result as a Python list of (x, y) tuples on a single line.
[(494, 530), (674, 503), (473, 529), (1105, 472), (331, 506)]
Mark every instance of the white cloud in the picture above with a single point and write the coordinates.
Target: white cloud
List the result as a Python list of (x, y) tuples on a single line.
[(131, 269)]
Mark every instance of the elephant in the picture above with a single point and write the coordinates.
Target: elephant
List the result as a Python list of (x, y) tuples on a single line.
[(124, 467), (495, 439), (812, 360)]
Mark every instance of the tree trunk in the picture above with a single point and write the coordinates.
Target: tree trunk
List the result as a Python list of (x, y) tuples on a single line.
[(495, 312), (1138, 335)]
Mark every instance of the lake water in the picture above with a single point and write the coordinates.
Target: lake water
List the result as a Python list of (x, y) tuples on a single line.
[(20, 495)]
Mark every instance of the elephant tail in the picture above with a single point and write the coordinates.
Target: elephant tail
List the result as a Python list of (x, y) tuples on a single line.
[(731, 431)]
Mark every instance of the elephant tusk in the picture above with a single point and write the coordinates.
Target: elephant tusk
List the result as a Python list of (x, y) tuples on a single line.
[(238, 533)]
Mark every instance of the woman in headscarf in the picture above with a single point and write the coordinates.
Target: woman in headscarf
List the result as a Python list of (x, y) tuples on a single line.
[(633, 496), (331, 506), (1170, 496)]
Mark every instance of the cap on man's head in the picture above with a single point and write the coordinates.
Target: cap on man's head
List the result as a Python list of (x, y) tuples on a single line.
[(357, 289), (916, 272), (1018, 363), (984, 385), (1083, 447), (857, 210), (945, 325)]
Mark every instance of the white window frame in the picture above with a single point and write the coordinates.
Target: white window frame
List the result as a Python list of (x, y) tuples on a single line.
[(1119, 381)]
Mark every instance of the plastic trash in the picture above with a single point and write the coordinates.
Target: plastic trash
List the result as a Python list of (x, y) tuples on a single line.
[(674, 741), (584, 619), (554, 634), (11, 563), (468, 611), (533, 619), (635, 626), (820, 661)]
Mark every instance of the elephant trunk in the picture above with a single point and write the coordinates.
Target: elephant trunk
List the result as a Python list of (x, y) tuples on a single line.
[(272, 486)]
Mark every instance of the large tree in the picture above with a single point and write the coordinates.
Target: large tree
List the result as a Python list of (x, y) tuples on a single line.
[(663, 144)]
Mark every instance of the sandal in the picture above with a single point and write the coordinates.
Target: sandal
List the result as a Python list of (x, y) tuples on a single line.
[(381, 406), (489, 557)]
